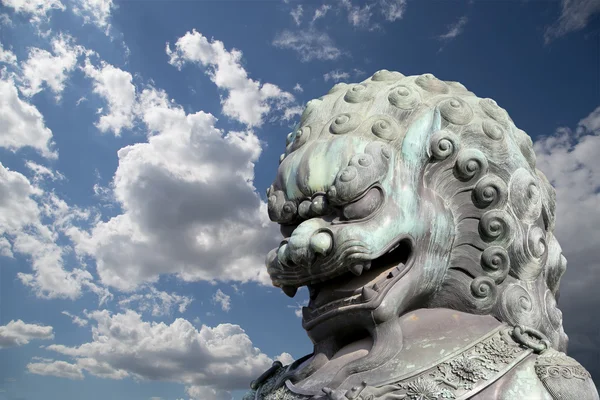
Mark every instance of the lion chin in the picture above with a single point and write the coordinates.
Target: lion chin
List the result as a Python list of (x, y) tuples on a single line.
[(413, 212)]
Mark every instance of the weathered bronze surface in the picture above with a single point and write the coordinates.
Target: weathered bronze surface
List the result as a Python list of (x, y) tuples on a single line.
[(413, 211)]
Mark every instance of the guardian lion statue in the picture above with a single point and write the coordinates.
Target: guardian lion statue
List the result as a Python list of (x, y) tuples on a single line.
[(414, 213)]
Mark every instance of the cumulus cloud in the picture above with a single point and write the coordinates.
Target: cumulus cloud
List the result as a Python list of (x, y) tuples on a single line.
[(309, 44), (189, 204), (60, 369), (222, 299), (285, 358), (7, 56), (22, 124), (37, 10), (95, 12), (569, 160), (220, 359), (157, 302), (248, 101), (22, 209), (574, 16), (115, 86), (19, 333), (43, 67)]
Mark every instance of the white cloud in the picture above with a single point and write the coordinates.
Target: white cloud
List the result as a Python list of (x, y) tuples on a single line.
[(454, 29), (19, 333), (189, 204), (38, 9), (574, 16), (222, 299), (569, 159), (237, 289), (358, 72), (5, 248), (22, 208), (285, 358), (116, 87), (221, 359), (76, 319), (321, 12), (392, 9), (336, 75), (7, 56), (60, 369), (157, 302), (296, 14), (95, 12), (22, 123), (41, 172), (298, 308), (42, 67), (248, 101), (5, 20), (358, 16), (207, 393), (309, 44), (292, 112), (298, 88), (363, 15)]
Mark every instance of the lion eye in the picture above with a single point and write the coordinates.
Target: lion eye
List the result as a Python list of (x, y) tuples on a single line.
[(364, 206)]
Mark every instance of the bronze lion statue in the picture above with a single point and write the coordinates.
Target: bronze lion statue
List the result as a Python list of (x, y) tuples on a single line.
[(415, 215)]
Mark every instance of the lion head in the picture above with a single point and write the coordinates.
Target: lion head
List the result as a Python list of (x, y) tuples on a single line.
[(404, 192)]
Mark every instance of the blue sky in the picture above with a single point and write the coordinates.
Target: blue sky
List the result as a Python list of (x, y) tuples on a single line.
[(137, 139)]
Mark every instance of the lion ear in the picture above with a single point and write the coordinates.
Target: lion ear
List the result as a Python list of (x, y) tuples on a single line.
[(415, 145)]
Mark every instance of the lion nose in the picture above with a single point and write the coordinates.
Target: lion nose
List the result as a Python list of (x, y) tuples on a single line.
[(304, 245)]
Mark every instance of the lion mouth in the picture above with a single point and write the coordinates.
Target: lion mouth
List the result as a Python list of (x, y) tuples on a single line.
[(363, 283)]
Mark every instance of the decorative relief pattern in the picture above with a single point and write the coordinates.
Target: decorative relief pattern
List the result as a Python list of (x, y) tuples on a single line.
[(554, 364), (385, 75), (456, 111), (563, 377), (404, 97), (432, 84), (454, 378)]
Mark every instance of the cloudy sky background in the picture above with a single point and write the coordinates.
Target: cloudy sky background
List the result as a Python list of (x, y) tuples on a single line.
[(137, 139)]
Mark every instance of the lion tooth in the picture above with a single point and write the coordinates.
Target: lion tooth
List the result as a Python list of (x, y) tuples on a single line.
[(368, 293), (289, 290), (367, 265), (393, 273), (356, 269)]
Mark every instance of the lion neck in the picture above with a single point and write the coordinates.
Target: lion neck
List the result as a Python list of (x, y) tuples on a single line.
[(416, 340)]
